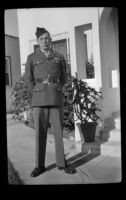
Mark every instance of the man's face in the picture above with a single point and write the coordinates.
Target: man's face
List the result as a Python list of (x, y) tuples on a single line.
[(44, 41)]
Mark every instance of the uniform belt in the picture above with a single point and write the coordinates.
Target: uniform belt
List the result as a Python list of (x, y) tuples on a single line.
[(47, 80)]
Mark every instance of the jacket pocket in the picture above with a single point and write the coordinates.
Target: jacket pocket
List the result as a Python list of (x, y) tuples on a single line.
[(55, 87), (39, 87), (59, 89), (36, 63)]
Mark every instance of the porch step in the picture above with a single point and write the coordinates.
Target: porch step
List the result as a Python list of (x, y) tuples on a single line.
[(115, 135), (100, 147), (112, 147)]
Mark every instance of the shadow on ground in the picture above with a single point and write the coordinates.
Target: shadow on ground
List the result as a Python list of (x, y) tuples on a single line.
[(88, 151)]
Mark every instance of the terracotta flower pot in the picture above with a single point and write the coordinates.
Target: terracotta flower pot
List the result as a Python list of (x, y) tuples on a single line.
[(88, 130)]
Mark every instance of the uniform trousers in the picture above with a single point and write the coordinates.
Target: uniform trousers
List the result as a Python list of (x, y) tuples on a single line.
[(41, 120)]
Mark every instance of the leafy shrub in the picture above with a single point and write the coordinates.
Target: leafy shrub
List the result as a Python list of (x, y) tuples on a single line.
[(68, 105), (20, 97)]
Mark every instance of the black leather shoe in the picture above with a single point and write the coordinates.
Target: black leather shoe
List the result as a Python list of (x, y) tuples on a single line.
[(68, 169), (38, 171)]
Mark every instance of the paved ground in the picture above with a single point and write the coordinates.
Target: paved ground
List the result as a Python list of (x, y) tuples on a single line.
[(91, 165)]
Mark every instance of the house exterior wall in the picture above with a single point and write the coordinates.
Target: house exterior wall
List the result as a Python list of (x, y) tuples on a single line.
[(12, 50), (109, 48), (11, 22), (81, 52)]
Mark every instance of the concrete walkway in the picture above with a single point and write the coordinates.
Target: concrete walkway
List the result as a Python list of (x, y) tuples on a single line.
[(91, 165)]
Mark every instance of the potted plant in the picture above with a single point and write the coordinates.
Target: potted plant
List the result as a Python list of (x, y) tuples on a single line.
[(85, 99)]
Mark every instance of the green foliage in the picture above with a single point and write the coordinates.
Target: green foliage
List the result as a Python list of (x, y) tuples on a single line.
[(20, 96), (85, 101), (90, 68), (21, 99), (68, 106)]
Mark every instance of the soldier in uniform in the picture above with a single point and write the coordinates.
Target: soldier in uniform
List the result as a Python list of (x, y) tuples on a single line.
[(45, 77)]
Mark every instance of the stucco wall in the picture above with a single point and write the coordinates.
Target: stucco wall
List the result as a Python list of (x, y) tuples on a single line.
[(12, 50), (109, 61), (11, 22), (81, 53)]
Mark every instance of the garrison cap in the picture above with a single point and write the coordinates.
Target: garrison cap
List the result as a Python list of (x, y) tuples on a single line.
[(40, 31)]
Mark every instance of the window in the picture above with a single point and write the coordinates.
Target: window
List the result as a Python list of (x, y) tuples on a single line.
[(8, 71)]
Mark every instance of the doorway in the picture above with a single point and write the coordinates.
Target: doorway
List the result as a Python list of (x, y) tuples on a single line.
[(61, 47)]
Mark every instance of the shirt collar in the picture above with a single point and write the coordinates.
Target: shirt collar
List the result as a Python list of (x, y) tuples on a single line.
[(44, 51), (50, 53)]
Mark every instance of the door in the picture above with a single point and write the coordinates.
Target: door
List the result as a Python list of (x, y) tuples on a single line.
[(61, 47)]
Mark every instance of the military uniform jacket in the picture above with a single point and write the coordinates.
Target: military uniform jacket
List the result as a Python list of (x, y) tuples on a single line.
[(39, 66)]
